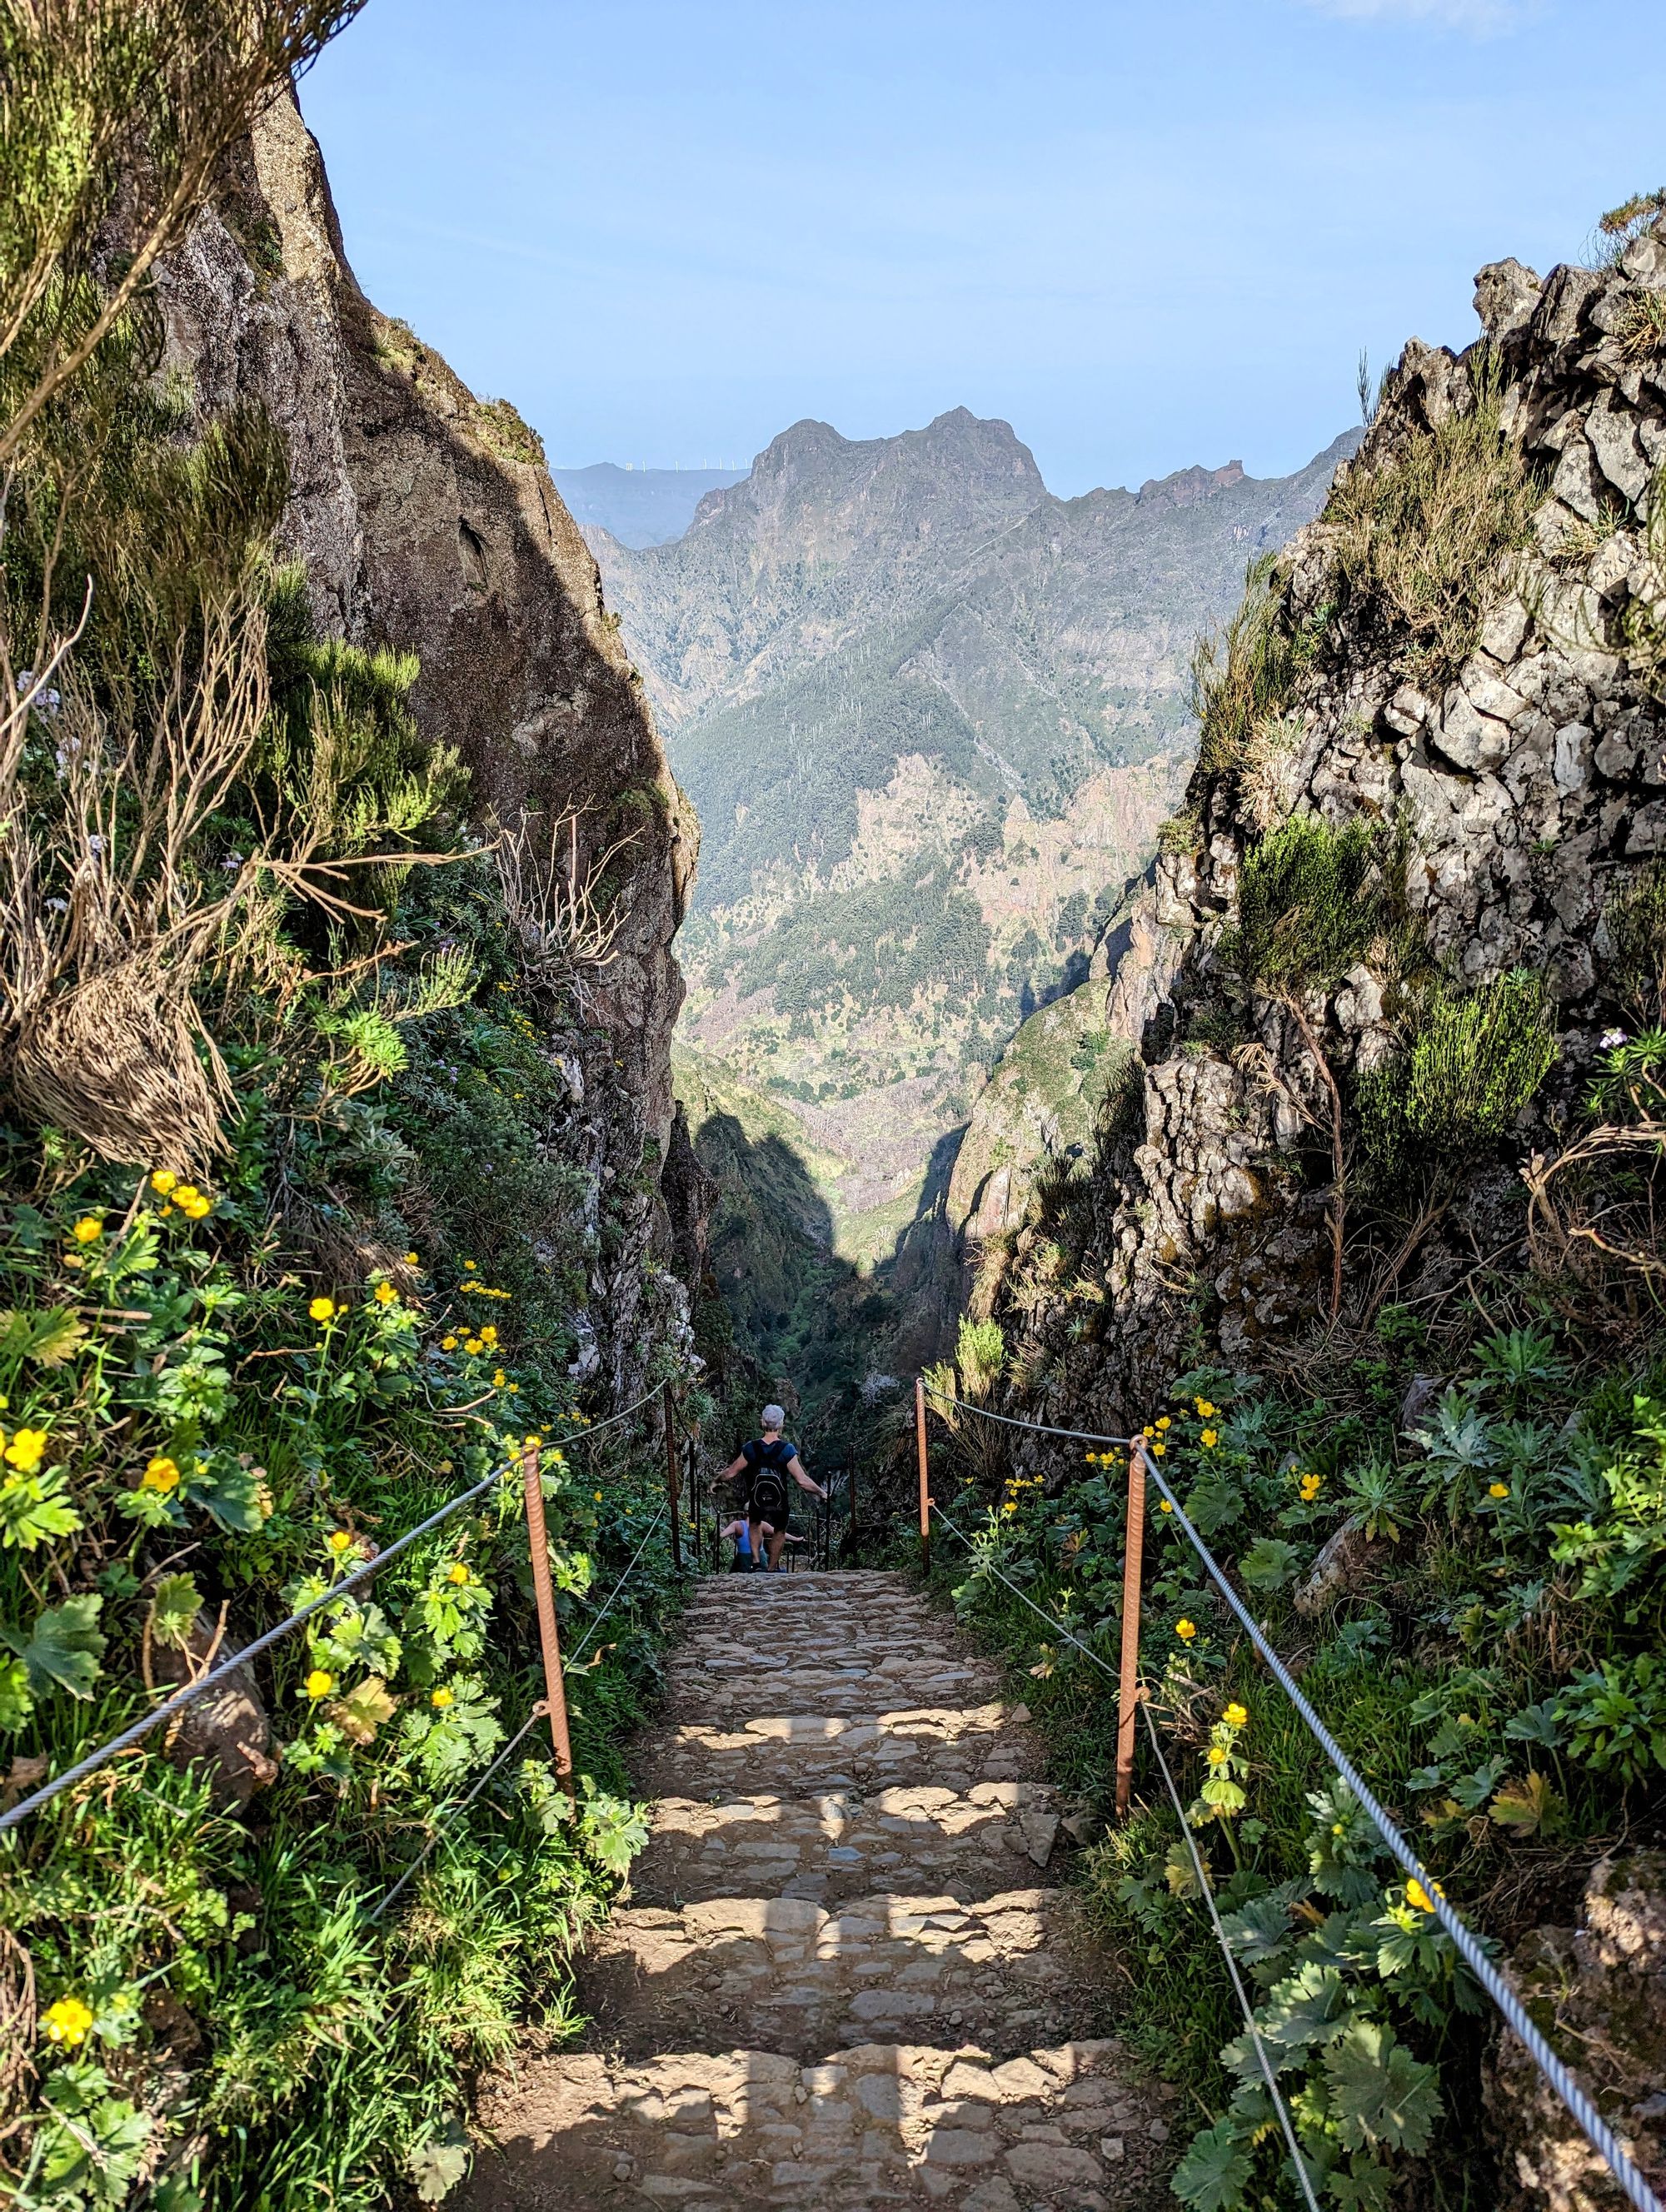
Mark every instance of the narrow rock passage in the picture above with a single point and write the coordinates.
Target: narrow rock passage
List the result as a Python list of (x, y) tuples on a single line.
[(844, 1977)]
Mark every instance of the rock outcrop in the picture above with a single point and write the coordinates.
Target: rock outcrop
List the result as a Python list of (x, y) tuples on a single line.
[(1528, 782), (1598, 1992), (426, 522)]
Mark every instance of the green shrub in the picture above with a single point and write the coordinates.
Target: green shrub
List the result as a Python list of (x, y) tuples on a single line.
[(1420, 535), (1306, 906), (1472, 1063)]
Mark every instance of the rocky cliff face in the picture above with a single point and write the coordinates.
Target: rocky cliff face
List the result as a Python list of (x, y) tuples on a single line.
[(1526, 777), (426, 522)]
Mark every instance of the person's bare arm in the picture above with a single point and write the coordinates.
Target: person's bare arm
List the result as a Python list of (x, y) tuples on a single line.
[(795, 1468), (732, 1470)]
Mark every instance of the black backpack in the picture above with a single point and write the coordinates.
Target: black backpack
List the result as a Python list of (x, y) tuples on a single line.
[(768, 1498)]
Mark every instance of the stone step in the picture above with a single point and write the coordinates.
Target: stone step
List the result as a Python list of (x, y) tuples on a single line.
[(840, 1844), (802, 1754), (785, 1974), (1073, 2126), (827, 1682)]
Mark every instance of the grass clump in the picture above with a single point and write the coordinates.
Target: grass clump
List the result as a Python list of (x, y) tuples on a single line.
[(1473, 1062), (1421, 535), (1249, 675)]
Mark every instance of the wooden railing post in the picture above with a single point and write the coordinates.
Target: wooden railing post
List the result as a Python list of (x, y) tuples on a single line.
[(554, 1688), (925, 1471), (1133, 1561), (672, 1486)]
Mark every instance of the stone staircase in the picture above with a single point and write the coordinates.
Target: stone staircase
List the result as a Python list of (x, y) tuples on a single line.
[(842, 1978)]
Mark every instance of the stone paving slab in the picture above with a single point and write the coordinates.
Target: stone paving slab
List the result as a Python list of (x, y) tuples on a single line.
[(842, 1844), (1071, 2127), (798, 1754), (786, 1974)]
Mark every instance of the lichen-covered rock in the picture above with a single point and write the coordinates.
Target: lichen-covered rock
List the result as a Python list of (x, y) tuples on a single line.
[(1598, 1994), (1527, 780)]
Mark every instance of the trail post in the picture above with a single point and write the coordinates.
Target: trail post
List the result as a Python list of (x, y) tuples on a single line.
[(1132, 1566), (925, 1470), (554, 1687), (671, 1485)]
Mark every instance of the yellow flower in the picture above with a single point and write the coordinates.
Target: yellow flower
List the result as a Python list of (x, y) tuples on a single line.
[(473, 1344), (442, 1698), (1498, 1489), (164, 1181), (87, 1230), (1158, 1450), (469, 1264), (512, 1388), (1311, 1486), (1209, 1439), (318, 1683), (1217, 1755), (1164, 1506), (187, 1193), (67, 2022), (499, 1378), (1185, 1630), (598, 1496), (162, 1475), (411, 1261), (459, 1573), (322, 1309), (449, 1344), (1164, 1422), (197, 1207), (340, 1541), (386, 1295), (1235, 1716), (1148, 1434), (1206, 1412), (1417, 1895), (489, 1335), (27, 1449)]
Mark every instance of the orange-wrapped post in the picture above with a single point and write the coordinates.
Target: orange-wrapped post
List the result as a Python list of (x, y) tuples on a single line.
[(925, 1471), (1132, 1569), (554, 1686)]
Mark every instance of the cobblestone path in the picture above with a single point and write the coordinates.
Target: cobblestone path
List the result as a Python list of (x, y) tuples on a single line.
[(843, 1976)]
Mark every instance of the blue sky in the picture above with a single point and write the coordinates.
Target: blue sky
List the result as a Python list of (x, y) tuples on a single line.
[(1147, 232)]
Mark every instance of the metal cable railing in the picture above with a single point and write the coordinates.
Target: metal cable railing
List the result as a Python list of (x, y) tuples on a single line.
[(1578, 2105), (190, 1692)]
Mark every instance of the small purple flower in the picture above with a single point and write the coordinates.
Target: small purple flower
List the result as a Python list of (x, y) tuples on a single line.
[(1611, 1040)]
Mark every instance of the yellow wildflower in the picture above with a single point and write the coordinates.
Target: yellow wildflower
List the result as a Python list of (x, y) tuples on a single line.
[(27, 1449), (449, 1344), (489, 1335), (472, 1344), (1185, 1630), (411, 1261), (459, 1573), (1417, 1895), (1498, 1489), (1148, 1434), (1158, 1450), (1235, 1716), (499, 1378), (67, 2023), (87, 1231), (318, 1683), (162, 1475), (1164, 1422), (470, 1266), (322, 1309), (197, 1207), (1206, 1412), (386, 1295), (164, 1181), (1209, 1439), (1164, 1506), (340, 1541), (598, 1496), (442, 1698), (1217, 1754)]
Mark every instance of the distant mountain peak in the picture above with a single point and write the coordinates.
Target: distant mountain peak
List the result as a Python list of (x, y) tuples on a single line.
[(1185, 487)]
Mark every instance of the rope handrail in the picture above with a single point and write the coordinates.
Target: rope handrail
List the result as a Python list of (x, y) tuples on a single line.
[(1589, 2121), (456, 1812), (189, 1692), (1204, 1885)]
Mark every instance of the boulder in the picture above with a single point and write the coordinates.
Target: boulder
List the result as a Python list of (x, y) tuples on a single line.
[(228, 1729)]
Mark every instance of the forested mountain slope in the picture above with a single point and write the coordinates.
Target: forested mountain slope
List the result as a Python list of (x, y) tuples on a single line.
[(931, 716)]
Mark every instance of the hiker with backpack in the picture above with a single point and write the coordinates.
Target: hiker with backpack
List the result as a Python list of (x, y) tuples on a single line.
[(763, 1465)]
